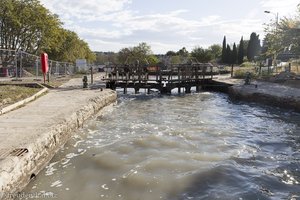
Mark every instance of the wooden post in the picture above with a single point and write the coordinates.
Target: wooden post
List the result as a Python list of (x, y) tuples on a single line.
[(136, 90), (92, 75), (211, 71), (260, 65), (188, 89)]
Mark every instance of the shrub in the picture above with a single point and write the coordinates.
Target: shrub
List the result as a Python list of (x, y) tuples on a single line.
[(241, 72), (247, 64)]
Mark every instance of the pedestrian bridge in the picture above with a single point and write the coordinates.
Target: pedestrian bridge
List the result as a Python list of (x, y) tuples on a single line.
[(182, 77)]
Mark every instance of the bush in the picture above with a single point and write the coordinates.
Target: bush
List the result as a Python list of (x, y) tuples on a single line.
[(241, 72), (247, 64)]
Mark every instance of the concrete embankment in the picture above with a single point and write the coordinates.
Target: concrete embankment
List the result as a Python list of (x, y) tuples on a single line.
[(31, 135), (268, 93)]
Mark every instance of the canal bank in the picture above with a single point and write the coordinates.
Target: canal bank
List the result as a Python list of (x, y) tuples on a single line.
[(268, 93), (194, 146), (31, 135), (272, 94)]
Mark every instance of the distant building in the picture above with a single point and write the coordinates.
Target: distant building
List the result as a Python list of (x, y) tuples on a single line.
[(101, 68), (286, 56), (81, 65)]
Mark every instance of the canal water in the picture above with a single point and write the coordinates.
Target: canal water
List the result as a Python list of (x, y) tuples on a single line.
[(196, 146)]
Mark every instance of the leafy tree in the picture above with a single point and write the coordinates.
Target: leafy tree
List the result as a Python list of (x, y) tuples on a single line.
[(176, 60), (224, 59), (202, 55), (141, 53), (241, 54), (72, 48), (27, 25), (253, 46), (105, 58), (171, 53), (216, 51), (183, 52), (285, 36), (152, 60)]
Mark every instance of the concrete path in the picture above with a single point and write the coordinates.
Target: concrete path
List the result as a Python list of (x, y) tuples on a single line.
[(226, 78), (30, 136)]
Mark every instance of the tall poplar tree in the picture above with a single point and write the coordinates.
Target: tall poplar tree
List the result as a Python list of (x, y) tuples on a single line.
[(228, 54), (234, 54), (253, 46), (224, 50), (240, 56)]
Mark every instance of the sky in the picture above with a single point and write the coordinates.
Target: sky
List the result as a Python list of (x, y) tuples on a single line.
[(110, 25)]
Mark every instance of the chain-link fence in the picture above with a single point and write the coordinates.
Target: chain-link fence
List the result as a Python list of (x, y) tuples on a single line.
[(20, 64)]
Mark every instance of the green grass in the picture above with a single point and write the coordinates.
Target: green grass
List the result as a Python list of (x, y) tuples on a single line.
[(10, 94)]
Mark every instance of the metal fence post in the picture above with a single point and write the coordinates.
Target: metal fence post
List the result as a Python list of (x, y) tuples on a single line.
[(36, 68)]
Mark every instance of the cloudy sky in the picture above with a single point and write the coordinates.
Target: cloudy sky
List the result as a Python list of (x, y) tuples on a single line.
[(109, 25)]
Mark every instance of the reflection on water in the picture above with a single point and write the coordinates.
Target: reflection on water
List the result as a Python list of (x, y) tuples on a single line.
[(198, 146)]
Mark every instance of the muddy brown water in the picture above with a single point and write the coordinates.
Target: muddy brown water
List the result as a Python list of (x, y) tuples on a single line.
[(197, 146)]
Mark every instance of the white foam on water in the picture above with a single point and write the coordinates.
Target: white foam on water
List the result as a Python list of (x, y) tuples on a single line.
[(56, 184)]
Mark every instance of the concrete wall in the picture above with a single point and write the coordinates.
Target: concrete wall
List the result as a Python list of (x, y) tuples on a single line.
[(268, 95)]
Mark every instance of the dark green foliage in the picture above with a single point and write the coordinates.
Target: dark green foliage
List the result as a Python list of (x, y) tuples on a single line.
[(216, 51), (253, 46), (224, 60), (202, 55), (27, 25), (234, 54), (228, 55), (183, 52), (241, 54), (141, 54), (171, 53)]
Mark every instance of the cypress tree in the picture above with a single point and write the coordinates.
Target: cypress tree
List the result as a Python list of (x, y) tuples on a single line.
[(240, 57), (234, 54), (228, 55), (253, 46), (224, 50)]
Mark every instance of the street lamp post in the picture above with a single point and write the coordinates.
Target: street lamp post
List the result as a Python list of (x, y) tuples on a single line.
[(276, 17), (276, 32)]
